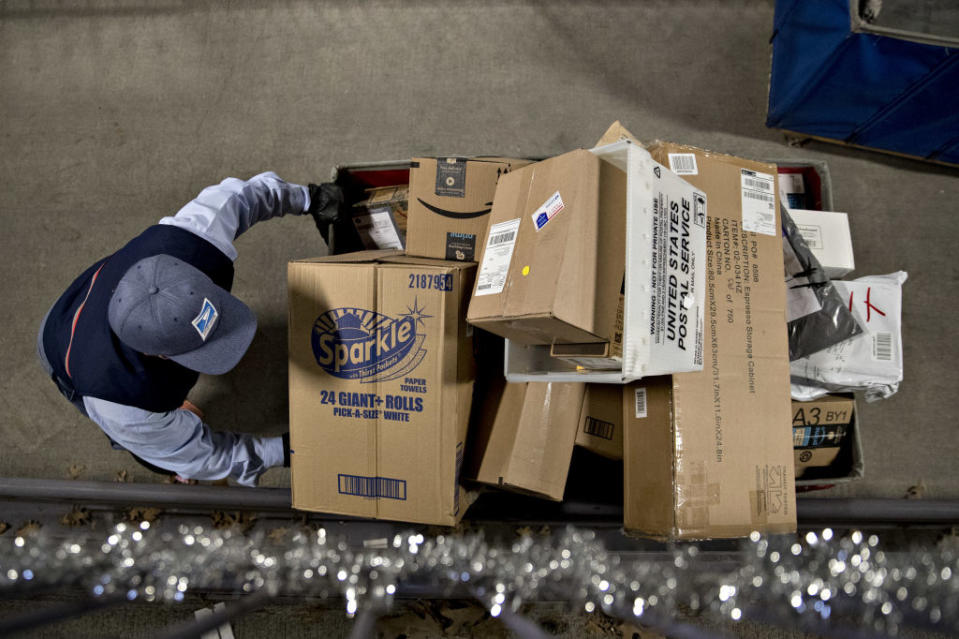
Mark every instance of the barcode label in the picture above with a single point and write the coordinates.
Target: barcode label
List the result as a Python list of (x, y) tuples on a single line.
[(758, 202), (497, 256), (757, 184), (882, 347), (640, 403), (758, 196), (598, 428), (683, 163), (371, 487)]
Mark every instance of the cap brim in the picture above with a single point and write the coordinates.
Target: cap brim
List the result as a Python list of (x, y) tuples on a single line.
[(228, 344)]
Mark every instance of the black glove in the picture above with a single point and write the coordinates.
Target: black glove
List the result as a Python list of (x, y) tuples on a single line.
[(326, 200), (286, 450)]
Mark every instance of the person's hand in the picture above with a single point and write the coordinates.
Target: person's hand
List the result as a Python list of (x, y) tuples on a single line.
[(193, 408), (325, 203)]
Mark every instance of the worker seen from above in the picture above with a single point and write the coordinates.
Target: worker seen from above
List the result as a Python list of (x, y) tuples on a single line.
[(128, 339)]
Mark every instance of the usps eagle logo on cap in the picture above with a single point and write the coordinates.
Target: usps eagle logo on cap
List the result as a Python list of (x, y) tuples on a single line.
[(205, 321)]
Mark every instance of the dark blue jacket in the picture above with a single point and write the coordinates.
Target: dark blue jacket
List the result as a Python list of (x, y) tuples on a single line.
[(95, 362)]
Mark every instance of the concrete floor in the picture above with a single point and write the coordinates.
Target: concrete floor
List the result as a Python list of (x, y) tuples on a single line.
[(115, 113)]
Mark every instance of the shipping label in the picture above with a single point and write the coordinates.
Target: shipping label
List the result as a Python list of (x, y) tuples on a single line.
[(678, 235), (640, 403), (377, 229), (683, 163), (497, 257), (812, 233), (758, 202)]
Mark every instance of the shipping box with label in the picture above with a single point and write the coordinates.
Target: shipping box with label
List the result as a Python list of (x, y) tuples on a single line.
[(601, 421), (822, 429), (380, 219), (658, 324), (701, 457), (827, 236), (552, 262), (381, 374), (523, 436), (449, 204)]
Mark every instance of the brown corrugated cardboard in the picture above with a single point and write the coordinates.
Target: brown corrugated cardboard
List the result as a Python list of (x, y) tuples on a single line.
[(662, 293), (524, 436), (381, 373), (601, 420), (449, 204), (554, 255), (701, 460), (820, 429), (615, 133)]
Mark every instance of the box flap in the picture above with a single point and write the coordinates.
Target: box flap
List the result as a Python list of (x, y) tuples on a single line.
[(356, 257), (615, 133)]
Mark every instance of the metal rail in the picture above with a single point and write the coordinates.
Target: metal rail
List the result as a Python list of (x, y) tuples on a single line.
[(498, 507)]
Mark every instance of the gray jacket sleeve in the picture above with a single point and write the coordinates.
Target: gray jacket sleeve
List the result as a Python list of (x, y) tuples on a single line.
[(221, 213)]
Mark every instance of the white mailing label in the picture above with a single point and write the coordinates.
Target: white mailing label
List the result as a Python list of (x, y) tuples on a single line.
[(759, 203), (497, 257)]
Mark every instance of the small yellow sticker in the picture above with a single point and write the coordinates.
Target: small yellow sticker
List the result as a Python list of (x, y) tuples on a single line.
[(526, 270)]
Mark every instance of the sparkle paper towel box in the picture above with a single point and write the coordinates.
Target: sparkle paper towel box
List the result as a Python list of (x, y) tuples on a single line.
[(381, 376)]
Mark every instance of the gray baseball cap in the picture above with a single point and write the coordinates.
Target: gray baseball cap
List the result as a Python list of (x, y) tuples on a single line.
[(164, 306)]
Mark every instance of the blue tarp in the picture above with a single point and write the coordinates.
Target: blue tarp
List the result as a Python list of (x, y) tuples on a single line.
[(862, 88)]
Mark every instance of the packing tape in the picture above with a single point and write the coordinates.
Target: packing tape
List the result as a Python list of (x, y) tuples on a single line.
[(694, 497)]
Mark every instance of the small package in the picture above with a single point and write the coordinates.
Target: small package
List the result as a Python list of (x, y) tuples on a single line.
[(652, 310), (552, 264), (827, 236), (816, 314), (449, 204), (380, 219), (872, 361), (820, 430), (523, 436)]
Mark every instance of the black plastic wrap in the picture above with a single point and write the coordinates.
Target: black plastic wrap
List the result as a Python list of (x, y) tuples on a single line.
[(817, 315)]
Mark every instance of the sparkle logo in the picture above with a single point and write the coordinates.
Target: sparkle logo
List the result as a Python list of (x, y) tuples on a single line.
[(204, 322), (355, 343)]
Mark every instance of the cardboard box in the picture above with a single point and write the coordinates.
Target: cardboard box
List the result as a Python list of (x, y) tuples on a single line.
[(658, 326), (821, 429), (700, 458), (552, 263), (381, 374), (526, 437), (601, 420), (449, 205), (380, 219), (827, 235)]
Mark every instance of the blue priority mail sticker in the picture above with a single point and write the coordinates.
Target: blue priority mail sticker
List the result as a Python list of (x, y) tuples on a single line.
[(355, 343), (548, 211)]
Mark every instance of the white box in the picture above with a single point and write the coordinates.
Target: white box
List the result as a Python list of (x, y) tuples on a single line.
[(664, 288), (827, 234)]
